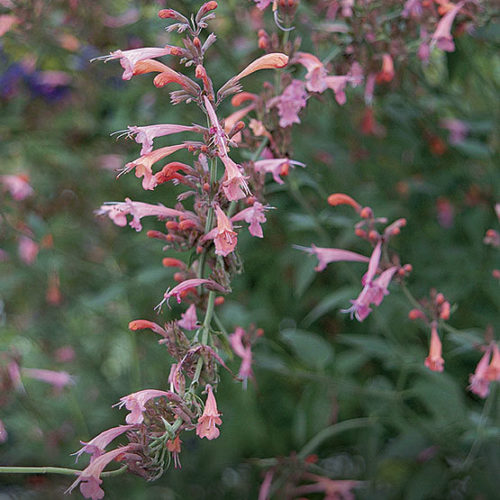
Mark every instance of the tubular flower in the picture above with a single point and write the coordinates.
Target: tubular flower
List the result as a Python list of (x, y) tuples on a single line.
[(129, 58), (254, 216), (361, 306), (118, 212), (143, 165), (479, 380), (189, 320), (442, 36), (327, 255), (276, 166), (143, 324), (89, 479), (291, 102), (434, 361), (275, 60), (242, 351), (57, 379), (234, 184), (97, 445), (210, 419), (187, 285), (494, 367), (17, 185), (145, 135), (225, 239), (135, 403)]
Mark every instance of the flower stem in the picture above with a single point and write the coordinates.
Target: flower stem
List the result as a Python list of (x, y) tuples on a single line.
[(54, 470)]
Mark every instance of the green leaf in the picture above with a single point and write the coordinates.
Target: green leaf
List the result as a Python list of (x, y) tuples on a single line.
[(330, 302), (309, 347)]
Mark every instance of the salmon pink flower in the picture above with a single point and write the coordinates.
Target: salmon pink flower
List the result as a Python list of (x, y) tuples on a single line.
[(118, 212), (291, 102), (434, 361), (97, 445), (442, 35), (361, 306), (3, 433), (254, 216), (145, 135), (242, 351), (136, 402), (57, 379), (27, 249), (479, 380), (387, 73), (225, 239), (143, 165), (174, 447), (378, 289), (17, 185), (89, 479), (234, 184), (494, 367), (142, 324), (274, 60), (276, 166), (327, 255), (316, 72), (190, 284), (338, 84), (129, 58), (210, 419), (189, 320)]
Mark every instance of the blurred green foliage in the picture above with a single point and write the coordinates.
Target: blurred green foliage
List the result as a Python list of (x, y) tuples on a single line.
[(415, 434)]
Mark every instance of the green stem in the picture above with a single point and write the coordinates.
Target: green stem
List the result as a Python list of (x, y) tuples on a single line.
[(331, 431), (208, 317), (414, 302), (54, 470)]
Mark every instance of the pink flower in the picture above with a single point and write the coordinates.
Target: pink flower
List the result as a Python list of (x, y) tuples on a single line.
[(434, 361), (265, 487), (387, 73), (89, 479), (189, 320), (457, 128), (129, 58), (338, 84), (207, 422), (361, 306), (442, 36), (17, 185), (254, 216), (378, 288), (182, 288), (327, 255), (142, 324), (244, 352), (145, 135), (7, 22), (64, 354), (3, 433), (479, 380), (262, 4), (143, 165), (276, 166), (234, 184), (291, 101), (136, 402), (275, 60), (225, 239), (118, 212), (494, 367), (97, 445), (316, 72), (57, 379), (27, 249), (412, 8)]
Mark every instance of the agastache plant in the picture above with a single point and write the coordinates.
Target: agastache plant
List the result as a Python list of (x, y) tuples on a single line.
[(157, 418)]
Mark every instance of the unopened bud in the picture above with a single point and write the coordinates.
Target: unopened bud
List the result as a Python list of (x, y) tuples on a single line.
[(416, 314), (219, 301), (199, 249), (366, 213), (171, 262), (445, 311), (186, 225), (196, 42), (440, 299), (373, 235), (259, 332), (178, 277), (172, 225), (167, 14), (206, 187), (360, 232)]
